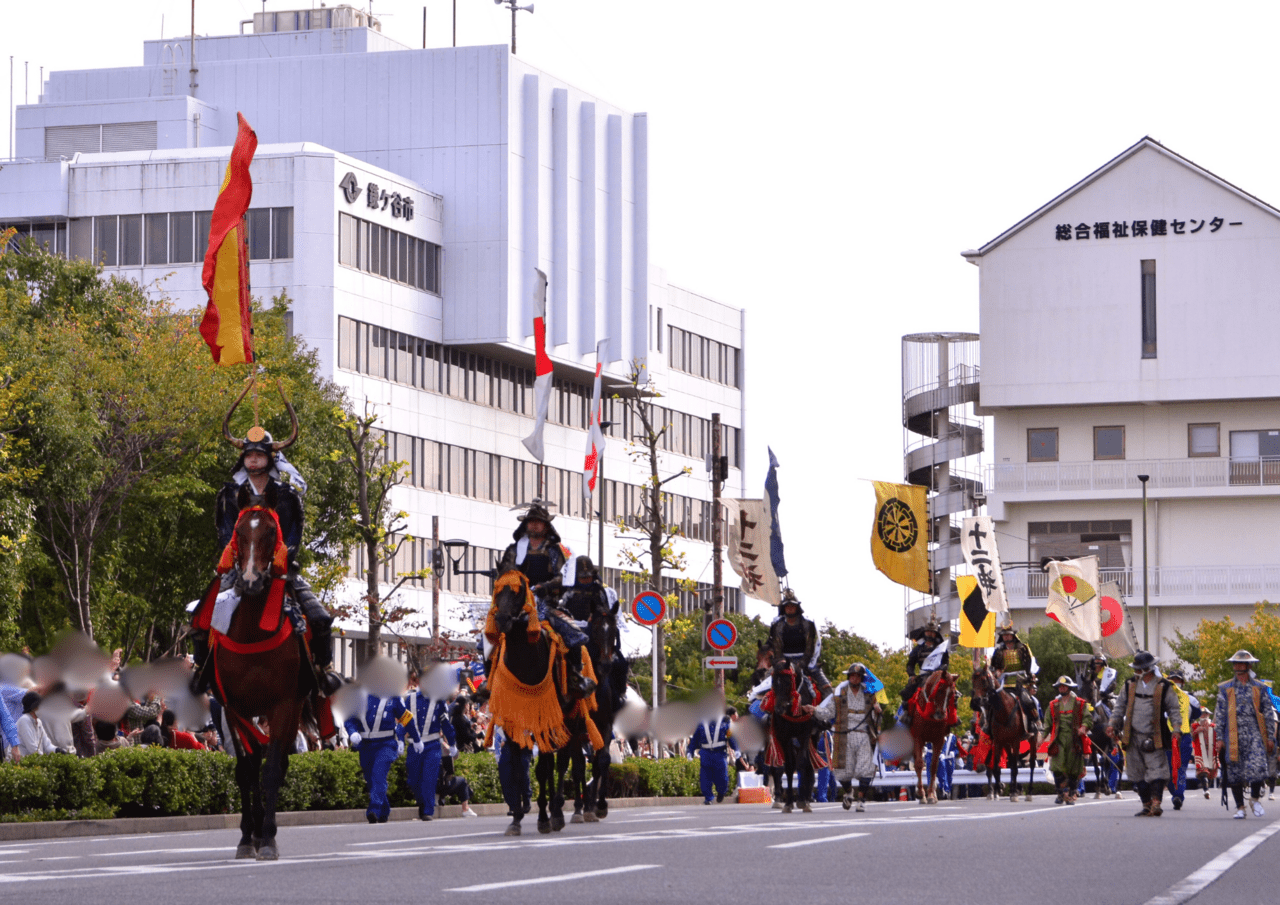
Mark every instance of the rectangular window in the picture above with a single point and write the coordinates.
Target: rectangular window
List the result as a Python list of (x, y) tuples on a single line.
[(1042, 444), (1255, 457), (259, 223), (1203, 440), (181, 238), (81, 238), (282, 233), (157, 228), (1148, 309), (348, 248), (1108, 442), (131, 241), (104, 241), (204, 221)]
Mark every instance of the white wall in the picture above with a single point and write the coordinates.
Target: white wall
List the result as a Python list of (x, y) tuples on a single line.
[(1060, 319)]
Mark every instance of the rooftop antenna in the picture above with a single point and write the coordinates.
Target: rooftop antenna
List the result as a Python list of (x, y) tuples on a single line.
[(514, 7), (193, 48)]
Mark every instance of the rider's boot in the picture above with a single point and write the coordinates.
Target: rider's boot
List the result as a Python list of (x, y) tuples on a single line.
[(202, 677), (582, 686), (321, 624)]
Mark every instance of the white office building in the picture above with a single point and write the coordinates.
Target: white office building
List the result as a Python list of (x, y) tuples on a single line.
[(1128, 328), (404, 198)]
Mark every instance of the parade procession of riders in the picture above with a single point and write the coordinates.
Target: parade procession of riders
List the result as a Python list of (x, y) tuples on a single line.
[(555, 683)]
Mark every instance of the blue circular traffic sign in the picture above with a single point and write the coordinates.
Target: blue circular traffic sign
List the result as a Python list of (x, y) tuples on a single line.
[(722, 634), (649, 608)]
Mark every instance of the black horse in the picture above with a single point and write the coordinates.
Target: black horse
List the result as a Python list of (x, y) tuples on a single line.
[(528, 701), (792, 729), (590, 799)]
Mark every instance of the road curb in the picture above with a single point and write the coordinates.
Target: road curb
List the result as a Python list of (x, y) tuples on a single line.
[(129, 826)]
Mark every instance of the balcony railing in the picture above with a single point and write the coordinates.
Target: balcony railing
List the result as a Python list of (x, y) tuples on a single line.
[(1172, 474), (1253, 583)]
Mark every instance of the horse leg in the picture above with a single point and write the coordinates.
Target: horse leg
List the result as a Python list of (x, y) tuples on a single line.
[(1031, 768), (248, 766), (807, 778), (578, 766), (600, 768), (275, 764), (1013, 774), (557, 794), (544, 771), (513, 771)]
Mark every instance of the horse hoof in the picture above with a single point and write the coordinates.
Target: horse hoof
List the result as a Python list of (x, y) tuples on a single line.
[(544, 826), (589, 816), (805, 807), (602, 811), (557, 822), (246, 851), (513, 830), (777, 806), (786, 808), (268, 852), (577, 818), (1028, 797), (1013, 797)]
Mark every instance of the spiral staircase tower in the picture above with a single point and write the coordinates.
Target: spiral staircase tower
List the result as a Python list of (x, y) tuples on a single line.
[(942, 439)]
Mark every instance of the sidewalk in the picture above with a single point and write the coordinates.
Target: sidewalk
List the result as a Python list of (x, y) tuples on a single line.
[(127, 826)]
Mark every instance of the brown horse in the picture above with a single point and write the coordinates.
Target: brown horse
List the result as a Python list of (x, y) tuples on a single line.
[(791, 750), (1006, 726), (260, 671), (931, 707)]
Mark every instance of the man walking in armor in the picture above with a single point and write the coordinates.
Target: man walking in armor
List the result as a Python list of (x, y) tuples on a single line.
[(856, 715), (1012, 658), (928, 654), (1070, 719), (1178, 765), (1138, 721), (1246, 720), (537, 553), (1104, 679), (796, 638), (262, 465)]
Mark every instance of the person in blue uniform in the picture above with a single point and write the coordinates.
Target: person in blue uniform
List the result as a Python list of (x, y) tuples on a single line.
[(376, 733), (709, 742), (430, 717)]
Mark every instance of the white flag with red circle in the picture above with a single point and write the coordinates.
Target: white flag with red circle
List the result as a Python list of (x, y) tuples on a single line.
[(541, 367), (1119, 639), (595, 436), (1073, 597)]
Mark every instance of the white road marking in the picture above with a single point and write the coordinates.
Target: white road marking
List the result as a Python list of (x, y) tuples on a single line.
[(816, 841), (648, 820), (419, 839), (486, 887), (1192, 885)]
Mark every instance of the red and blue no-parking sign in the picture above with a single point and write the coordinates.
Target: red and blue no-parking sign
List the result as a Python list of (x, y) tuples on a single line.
[(649, 608), (722, 634)]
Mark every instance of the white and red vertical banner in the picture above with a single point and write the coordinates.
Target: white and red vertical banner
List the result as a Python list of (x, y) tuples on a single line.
[(595, 436), (542, 367)]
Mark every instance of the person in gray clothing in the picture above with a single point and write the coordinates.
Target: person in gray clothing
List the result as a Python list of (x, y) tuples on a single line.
[(1145, 736)]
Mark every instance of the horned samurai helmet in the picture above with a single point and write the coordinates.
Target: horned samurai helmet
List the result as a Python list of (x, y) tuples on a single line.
[(257, 439)]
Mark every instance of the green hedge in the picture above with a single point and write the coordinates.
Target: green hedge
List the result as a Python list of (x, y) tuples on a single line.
[(158, 782)]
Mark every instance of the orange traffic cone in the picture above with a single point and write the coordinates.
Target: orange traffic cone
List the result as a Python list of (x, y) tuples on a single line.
[(902, 794)]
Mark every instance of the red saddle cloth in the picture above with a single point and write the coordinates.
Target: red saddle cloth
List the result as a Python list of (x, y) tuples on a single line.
[(272, 612)]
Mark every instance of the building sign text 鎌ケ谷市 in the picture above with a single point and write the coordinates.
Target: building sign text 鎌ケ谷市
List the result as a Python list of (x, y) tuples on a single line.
[(376, 197)]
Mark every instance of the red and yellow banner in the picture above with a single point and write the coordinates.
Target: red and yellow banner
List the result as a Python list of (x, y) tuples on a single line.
[(226, 326)]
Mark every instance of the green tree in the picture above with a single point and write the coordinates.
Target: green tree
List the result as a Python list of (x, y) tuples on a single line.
[(1051, 643), (1206, 650)]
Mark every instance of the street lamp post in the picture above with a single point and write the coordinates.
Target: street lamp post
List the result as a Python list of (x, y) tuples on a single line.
[(1146, 592)]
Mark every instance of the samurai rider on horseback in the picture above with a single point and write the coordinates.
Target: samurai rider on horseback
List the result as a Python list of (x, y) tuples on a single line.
[(537, 553), (1015, 668), (928, 655), (796, 638), (264, 471)]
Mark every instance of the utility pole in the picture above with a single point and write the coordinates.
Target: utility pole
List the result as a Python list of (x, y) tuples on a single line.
[(717, 539), (424, 28), (1146, 593), (437, 566), (455, 23)]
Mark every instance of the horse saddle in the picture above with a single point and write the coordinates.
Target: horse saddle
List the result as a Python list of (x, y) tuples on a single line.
[(217, 608)]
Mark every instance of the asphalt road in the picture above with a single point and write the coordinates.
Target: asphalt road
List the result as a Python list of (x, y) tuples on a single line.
[(967, 851)]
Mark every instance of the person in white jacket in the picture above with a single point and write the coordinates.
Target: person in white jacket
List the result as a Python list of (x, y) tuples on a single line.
[(32, 739)]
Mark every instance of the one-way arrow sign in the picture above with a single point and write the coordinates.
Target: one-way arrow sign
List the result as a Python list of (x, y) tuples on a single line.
[(720, 662)]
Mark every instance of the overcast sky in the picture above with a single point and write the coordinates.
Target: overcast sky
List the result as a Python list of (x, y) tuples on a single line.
[(822, 164)]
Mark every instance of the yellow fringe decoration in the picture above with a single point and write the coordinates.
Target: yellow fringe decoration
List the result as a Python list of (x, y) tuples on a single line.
[(585, 707), (527, 714)]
